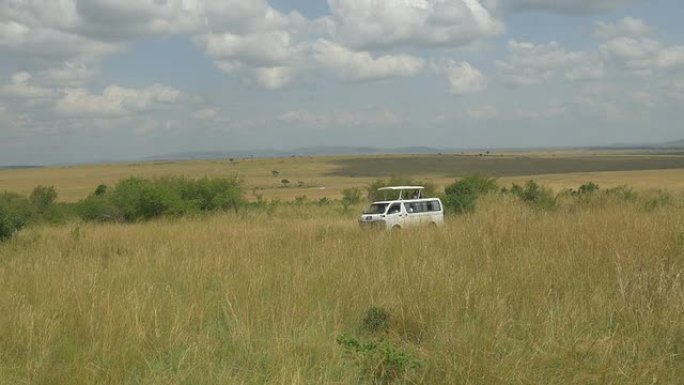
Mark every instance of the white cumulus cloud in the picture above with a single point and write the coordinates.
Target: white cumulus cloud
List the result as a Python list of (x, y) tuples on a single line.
[(463, 78), (259, 48), (116, 101), (638, 56), (382, 23), (671, 57), (22, 87), (273, 78), (361, 66), (530, 64), (626, 27)]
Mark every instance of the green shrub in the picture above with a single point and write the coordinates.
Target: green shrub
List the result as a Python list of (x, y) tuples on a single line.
[(208, 194), (324, 201), (101, 190), (661, 199), (376, 320), (133, 199), (42, 198), (228, 199), (584, 194), (39, 206), (350, 196), (18, 206), (623, 192), (96, 208), (481, 184), (535, 195), (9, 224), (137, 198), (461, 196), (380, 361), (586, 189)]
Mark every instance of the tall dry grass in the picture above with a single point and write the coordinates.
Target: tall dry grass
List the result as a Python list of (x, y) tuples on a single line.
[(509, 295)]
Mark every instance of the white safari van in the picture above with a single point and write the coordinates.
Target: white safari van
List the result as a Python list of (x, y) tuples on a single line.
[(408, 209)]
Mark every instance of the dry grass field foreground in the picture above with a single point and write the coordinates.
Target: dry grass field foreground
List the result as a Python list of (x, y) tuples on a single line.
[(591, 293), (328, 176)]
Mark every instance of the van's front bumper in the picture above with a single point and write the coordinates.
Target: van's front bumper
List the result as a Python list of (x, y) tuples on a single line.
[(366, 223)]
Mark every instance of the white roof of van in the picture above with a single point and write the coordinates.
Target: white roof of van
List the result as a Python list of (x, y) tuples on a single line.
[(399, 188)]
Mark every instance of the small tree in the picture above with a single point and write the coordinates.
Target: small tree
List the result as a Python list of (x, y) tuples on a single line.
[(275, 173), (285, 182), (42, 197)]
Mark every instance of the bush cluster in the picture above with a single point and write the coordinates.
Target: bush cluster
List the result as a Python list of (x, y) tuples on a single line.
[(460, 197), (9, 224), (16, 210), (381, 356), (134, 199), (535, 195)]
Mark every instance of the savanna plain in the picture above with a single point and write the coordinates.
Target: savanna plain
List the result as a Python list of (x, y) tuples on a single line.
[(588, 289)]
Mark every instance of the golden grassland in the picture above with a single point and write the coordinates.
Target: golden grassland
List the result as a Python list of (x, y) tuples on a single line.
[(76, 182), (591, 293), (669, 180), (324, 176)]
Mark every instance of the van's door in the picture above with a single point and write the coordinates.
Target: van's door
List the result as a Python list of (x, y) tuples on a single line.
[(395, 215), (412, 216)]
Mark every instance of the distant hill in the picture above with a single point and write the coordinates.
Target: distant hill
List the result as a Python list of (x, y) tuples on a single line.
[(13, 167), (349, 150), (303, 151), (679, 144), (673, 145)]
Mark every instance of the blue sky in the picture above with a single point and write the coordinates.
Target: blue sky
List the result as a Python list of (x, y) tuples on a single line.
[(84, 81)]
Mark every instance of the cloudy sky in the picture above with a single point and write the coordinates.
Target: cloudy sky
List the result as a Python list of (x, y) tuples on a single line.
[(90, 80)]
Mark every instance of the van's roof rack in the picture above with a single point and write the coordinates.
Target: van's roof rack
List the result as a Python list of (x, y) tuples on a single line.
[(401, 190)]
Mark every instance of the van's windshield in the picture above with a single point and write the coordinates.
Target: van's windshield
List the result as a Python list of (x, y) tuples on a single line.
[(376, 208)]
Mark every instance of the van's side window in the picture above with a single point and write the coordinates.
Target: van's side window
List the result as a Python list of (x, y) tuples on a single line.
[(395, 208), (434, 206), (423, 207)]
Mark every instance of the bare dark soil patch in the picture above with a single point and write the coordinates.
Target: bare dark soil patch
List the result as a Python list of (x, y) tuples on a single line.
[(495, 166)]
